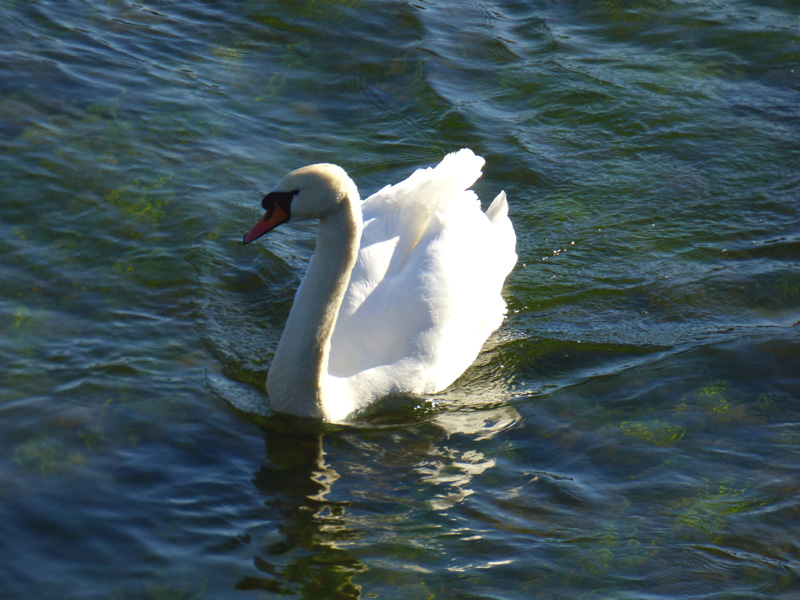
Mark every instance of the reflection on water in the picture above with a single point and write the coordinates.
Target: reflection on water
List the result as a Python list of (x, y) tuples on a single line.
[(450, 470), (309, 553), (308, 558), (447, 469)]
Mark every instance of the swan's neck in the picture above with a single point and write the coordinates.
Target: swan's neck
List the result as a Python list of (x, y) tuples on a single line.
[(296, 383)]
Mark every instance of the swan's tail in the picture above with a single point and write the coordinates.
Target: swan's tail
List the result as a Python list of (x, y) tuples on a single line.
[(498, 209)]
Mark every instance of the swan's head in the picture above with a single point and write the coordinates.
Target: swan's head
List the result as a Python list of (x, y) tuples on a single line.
[(307, 193)]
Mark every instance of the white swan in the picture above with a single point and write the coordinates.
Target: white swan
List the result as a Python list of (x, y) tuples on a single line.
[(402, 290)]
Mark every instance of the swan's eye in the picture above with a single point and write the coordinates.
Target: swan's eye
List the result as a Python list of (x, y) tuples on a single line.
[(282, 199)]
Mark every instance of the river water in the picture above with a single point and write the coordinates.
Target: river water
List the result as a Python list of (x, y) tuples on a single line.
[(632, 431)]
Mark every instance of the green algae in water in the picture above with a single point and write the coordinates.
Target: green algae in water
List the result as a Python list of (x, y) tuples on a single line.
[(47, 456), (711, 509), (655, 432)]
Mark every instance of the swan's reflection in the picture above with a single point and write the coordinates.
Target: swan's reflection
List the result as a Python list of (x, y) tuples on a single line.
[(452, 471), (370, 491), (304, 559)]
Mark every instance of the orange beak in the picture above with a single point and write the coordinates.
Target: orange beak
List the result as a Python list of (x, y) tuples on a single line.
[(274, 216)]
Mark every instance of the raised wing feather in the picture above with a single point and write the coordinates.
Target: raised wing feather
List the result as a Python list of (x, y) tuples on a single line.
[(425, 291)]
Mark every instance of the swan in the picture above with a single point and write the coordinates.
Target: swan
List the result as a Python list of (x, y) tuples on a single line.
[(402, 290)]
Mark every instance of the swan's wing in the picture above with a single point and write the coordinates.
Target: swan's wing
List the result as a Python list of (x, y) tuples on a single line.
[(425, 292), (396, 217)]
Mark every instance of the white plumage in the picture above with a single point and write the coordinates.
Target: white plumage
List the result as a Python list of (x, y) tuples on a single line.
[(401, 293)]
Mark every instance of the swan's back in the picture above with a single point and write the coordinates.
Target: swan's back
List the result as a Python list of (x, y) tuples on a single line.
[(425, 292)]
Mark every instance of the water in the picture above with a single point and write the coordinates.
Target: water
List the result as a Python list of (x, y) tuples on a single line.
[(633, 431)]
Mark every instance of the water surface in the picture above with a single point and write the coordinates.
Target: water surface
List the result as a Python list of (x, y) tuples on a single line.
[(632, 431)]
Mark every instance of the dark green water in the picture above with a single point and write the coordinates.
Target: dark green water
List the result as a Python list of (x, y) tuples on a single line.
[(633, 431)]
